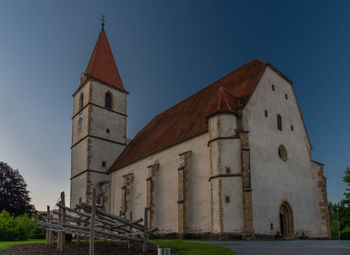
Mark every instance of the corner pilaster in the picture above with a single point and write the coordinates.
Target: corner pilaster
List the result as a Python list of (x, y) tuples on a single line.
[(323, 202), (185, 159), (152, 170), (246, 183), (126, 189)]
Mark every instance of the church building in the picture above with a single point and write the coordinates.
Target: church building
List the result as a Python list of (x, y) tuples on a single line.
[(234, 160)]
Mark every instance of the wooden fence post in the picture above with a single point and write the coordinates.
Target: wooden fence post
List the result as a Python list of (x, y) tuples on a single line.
[(59, 234), (145, 234), (63, 220), (48, 231), (92, 224), (130, 228)]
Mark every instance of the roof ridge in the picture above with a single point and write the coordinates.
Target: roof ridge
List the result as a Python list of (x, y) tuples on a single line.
[(206, 87), (188, 117)]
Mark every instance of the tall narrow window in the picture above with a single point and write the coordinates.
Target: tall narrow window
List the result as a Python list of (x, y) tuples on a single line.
[(279, 122), (81, 101), (108, 100)]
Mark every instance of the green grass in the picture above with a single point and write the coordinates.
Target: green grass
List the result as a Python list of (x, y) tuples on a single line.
[(4, 245), (185, 248)]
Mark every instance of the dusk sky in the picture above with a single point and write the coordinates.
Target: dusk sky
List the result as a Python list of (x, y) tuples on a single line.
[(165, 52)]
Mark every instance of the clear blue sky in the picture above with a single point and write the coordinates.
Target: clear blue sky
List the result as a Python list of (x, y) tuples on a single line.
[(165, 51)]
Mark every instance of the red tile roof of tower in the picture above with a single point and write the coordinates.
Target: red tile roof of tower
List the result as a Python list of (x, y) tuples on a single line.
[(102, 65)]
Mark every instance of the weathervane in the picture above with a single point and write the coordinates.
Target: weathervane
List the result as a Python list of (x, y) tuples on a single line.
[(103, 21)]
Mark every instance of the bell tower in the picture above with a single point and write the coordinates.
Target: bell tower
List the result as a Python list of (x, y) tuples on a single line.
[(99, 125)]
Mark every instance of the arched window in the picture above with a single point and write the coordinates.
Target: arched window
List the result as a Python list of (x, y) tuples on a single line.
[(108, 100), (81, 101)]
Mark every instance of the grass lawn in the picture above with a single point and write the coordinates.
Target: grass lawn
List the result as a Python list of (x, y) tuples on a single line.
[(183, 248), (4, 245), (194, 248)]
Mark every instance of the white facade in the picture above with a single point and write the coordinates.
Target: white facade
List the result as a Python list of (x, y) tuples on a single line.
[(235, 182), (275, 180)]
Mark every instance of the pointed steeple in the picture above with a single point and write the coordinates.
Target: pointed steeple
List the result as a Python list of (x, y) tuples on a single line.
[(102, 65)]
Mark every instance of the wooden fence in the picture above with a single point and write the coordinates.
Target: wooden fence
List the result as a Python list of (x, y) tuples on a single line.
[(89, 221)]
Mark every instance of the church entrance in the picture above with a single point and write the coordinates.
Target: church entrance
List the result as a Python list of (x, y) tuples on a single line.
[(286, 220)]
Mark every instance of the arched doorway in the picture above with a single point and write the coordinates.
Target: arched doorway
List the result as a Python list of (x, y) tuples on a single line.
[(286, 220)]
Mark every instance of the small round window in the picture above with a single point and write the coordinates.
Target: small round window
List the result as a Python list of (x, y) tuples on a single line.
[(282, 152)]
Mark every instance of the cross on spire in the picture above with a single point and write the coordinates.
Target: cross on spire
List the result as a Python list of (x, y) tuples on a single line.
[(103, 21)]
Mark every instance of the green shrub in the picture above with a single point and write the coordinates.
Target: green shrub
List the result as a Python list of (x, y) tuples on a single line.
[(19, 228), (334, 229), (345, 233)]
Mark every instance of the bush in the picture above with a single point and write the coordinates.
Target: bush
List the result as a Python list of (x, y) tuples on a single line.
[(19, 228), (345, 234), (334, 229)]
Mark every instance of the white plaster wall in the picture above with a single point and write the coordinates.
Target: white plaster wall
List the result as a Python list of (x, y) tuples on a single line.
[(100, 150), (101, 119), (80, 131), (166, 197), (216, 201), (76, 97), (98, 91), (96, 178), (79, 157), (224, 152), (274, 180), (232, 211), (222, 125), (78, 189)]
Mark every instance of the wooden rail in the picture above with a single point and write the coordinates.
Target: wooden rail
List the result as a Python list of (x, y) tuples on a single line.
[(89, 221)]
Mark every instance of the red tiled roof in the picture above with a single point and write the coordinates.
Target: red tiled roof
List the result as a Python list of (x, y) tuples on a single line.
[(187, 118), (102, 65), (225, 101)]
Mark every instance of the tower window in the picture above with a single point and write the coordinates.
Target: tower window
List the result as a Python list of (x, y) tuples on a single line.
[(292, 127), (108, 100), (227, 199), (108, 131), (266, 113), (286, 96), (81, 101), (103, 163), (279, 122), (273, 87)]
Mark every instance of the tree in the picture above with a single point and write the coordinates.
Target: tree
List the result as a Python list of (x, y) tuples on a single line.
[(14, 196), (346, 179), (346, 200)]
